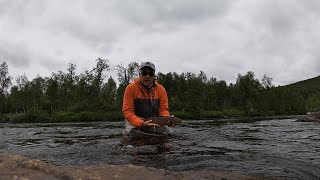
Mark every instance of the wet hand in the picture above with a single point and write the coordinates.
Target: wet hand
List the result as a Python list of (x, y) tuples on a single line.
[(170, 123), (149, 123)]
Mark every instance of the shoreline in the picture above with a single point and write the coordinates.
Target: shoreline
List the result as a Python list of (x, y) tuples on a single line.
[(13, 166), (92, 117)]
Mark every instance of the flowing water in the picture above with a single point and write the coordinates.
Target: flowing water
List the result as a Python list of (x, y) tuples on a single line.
[(282, 148)]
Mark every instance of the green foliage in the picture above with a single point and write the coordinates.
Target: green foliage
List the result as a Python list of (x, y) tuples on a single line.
[(307, 90), (86, 116), (30, 117), (183, 115), (222, 114), (63, 116), (4, 118), (313, 102), (88, 96), (212, 114), (5, 79), (127, 74), (114, 116), (233, 113)]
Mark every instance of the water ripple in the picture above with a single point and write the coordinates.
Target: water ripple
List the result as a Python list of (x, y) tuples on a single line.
[(283, 148)]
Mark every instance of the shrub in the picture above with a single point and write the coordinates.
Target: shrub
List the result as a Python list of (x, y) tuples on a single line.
[(182, 114), (63, 116), (234, 113), (84, 116), (30, 117), (4, 118), (212, 114)]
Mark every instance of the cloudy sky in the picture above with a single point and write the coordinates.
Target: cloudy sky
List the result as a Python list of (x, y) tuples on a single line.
[(279, 38)]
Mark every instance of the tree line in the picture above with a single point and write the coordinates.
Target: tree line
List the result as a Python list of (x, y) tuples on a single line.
[(67, 94)]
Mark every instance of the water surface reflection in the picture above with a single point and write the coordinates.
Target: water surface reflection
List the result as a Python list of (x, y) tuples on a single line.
[(284, 148)]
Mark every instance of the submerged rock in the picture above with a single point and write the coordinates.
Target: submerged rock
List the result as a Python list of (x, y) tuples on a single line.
[(19, 167), (312, 117)]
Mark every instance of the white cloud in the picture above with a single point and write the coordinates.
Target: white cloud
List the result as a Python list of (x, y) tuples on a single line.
[(222, 38)]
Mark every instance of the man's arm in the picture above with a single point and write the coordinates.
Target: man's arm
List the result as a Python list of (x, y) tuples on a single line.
[(128, 108), (164, 105)]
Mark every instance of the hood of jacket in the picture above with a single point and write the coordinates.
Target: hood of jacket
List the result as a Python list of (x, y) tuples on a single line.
[(138, 83)]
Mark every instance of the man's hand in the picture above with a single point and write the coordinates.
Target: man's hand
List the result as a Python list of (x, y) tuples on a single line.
[(148, 124), (170, 123)]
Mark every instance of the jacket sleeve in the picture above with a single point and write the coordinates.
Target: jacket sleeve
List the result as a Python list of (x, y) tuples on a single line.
[(128, 108), (164, 105)]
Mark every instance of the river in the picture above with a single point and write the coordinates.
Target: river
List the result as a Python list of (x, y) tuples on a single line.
[(277, 147)]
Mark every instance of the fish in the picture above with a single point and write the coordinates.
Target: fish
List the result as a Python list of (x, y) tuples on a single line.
[(164, 120), (155, 132), (137, 133)]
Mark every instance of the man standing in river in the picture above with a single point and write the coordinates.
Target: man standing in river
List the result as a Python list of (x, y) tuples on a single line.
[(144, 98)]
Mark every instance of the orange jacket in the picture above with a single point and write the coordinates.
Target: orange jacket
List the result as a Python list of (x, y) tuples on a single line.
[(137, 101)]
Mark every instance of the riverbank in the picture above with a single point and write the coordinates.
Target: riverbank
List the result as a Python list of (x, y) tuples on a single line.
[(311, 117), (100, 116), (19, 167)]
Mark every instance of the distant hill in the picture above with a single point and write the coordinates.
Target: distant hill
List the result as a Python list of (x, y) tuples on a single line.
[(309, 89), (312, 82)]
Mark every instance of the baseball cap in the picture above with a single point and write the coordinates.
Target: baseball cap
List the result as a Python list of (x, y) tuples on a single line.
[(148, 64)]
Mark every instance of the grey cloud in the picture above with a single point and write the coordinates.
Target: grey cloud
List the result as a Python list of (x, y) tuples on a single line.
[(93, 36), (150, 13), (311, 6), (52, 65), (277, 24), (52, 16), (284, 29), (15, 54), (285, 19), (315, 64), (262, 36), (94, 28), (21, 12)]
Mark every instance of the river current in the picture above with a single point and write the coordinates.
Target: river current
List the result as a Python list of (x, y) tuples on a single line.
[(277, 147)]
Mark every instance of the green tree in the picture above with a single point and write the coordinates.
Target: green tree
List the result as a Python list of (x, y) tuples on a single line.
[(84, 93), (70, 80), (176, 87), (313, 102), (14, 98), (247, 89), (109, 91), (167, 80), (194, 96), (23, 92), (178, 102), (5, 83), (127, 74), (101, 66), (5, 79), (266, 82), (37, 90), (210, 95), (52, 94), (222, 93)]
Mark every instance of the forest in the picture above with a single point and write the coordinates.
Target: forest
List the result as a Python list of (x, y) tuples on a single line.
[(92, 96)]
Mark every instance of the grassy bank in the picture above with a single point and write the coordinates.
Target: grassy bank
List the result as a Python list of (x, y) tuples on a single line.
[(88, 116), (58, 117)]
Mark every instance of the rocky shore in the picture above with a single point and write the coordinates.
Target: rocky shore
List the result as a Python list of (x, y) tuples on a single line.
[(312, 117), (19, 167)]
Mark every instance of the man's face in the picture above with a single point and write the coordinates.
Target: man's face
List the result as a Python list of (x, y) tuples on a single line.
[(146, 76)]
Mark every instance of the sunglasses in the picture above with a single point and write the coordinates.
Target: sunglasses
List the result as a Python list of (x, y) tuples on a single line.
[(145, 73)]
